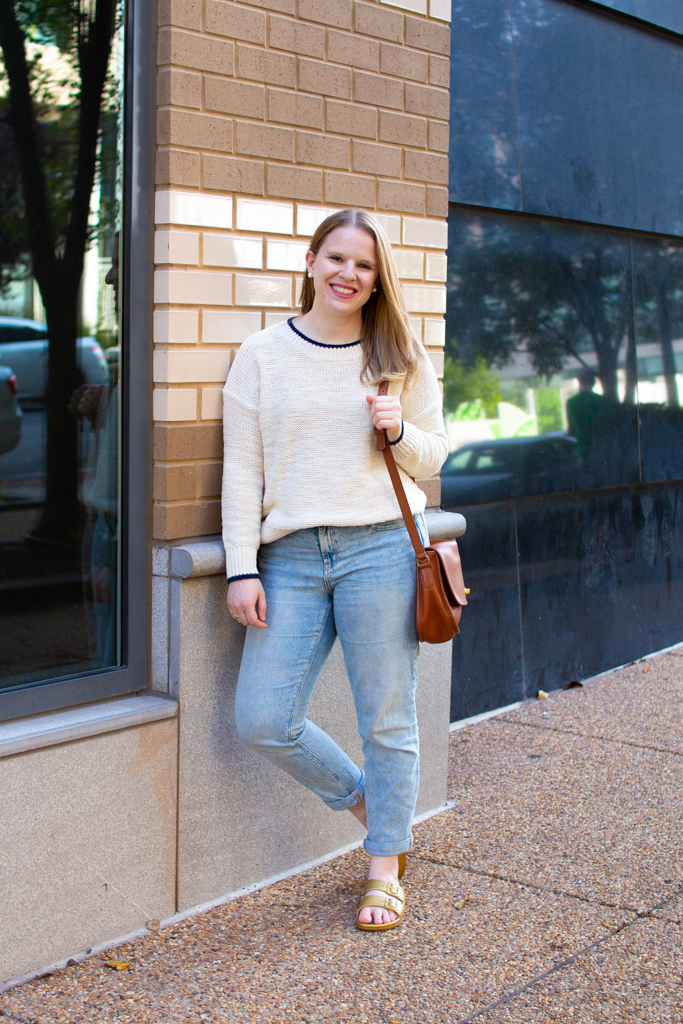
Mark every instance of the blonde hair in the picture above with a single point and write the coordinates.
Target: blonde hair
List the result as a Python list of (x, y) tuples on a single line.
[(390, 351)]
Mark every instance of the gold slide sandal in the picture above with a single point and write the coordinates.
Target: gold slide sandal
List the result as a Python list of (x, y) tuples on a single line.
[(393, 899)]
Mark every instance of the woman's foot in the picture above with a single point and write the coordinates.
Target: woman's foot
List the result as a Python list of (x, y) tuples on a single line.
[(384, 869)]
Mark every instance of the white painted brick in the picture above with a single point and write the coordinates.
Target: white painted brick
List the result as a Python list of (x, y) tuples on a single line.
[(174, 404), (230, 327), (279, 317), (190, 367), (430, 233), (193, 208), (176, 326), (436, 267), (440, 9), (255, 290), (286, 255), (391, 225), (424, 299), (262, 215), (416, 6), (233, 251), (212, 403), (437, 359), (193, 287), (176, 247), (408, 264), (309, 217), (435, 332), (416, 326)]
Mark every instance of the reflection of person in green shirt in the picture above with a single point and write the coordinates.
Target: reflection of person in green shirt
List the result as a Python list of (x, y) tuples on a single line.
[(584, 411)]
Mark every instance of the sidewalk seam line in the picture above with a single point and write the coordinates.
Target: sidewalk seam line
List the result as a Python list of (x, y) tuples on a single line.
[(589, 736), (535, 888), (564, 963)]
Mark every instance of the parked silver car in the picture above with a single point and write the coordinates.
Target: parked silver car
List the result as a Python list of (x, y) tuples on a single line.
[(24, 347), (10, 412)]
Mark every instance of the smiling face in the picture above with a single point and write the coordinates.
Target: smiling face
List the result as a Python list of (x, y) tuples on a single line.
[(344, 271)]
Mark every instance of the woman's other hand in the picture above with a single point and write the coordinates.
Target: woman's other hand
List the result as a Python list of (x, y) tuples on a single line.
[(247, 602), (386, 414)]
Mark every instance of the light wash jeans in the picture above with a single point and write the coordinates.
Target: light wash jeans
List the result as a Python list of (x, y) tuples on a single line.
[(357, 583)]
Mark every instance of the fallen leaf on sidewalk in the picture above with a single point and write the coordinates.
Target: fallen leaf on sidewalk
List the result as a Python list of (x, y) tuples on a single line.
[(117, 965), (461, 903), (542, 695), (606, 924), (574, 685), (645, 670)]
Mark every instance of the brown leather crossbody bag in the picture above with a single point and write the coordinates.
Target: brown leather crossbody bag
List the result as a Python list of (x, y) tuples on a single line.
[(441, 593)]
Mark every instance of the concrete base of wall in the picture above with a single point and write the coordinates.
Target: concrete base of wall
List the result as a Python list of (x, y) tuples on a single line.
[(241, 819), (87, 844)]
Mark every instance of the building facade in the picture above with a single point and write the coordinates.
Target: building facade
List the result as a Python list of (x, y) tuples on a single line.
[(227, 131)]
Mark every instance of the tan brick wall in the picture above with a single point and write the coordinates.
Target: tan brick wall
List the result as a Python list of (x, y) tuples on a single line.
[(271, 114)]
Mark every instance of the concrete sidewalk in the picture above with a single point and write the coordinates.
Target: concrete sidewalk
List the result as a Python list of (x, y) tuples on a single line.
[(566, 842)]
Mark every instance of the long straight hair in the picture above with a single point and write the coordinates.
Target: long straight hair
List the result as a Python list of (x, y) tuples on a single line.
[(390, 351)]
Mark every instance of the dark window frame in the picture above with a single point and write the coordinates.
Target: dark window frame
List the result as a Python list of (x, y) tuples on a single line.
[(137, 265)]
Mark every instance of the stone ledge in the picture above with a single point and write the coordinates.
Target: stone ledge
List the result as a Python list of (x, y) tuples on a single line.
[(47, 730), (205, 555)]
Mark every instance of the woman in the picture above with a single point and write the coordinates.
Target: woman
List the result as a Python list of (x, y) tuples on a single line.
[(315, 547)]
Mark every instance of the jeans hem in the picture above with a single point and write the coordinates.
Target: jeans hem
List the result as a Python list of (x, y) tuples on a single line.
[(387, 849), (344, 803)]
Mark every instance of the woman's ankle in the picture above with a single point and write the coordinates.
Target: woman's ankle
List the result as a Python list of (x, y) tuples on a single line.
[(385, 869)]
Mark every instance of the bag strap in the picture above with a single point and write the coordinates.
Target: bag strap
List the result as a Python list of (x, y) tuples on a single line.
[(384, 446)]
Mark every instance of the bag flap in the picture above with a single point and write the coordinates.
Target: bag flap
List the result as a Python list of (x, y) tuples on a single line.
[(449, 556)]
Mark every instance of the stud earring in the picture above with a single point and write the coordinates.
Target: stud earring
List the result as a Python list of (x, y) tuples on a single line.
[(374, 289), (310, 274)]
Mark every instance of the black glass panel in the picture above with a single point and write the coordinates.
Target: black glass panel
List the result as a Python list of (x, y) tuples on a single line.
[(539, 383), (601, 584), (600, 135), (658, 277), (59, 340), (601, 581), (597, 121), (484, 157), (487, 655), (667, 13)]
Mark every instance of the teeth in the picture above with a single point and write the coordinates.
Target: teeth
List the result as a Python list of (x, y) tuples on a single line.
[(344, 291)]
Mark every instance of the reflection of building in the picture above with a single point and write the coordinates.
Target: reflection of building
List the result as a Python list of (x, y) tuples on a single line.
[(566, 260)]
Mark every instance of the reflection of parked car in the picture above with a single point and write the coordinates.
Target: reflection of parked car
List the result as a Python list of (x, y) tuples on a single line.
[(509, 468), (24, 347), (10, 413)]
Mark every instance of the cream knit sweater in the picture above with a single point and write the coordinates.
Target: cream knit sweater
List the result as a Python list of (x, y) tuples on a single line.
[(300, 445)]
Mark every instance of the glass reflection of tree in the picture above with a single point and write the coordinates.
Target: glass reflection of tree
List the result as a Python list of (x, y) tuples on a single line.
[(55, 120), (517, 286), (659, 304)]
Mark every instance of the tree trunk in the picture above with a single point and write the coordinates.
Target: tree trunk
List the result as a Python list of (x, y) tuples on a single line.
[(631, 363), (665, 335), (61, 519)]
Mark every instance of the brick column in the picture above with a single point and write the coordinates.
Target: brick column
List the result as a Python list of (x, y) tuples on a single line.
[(272, 114)]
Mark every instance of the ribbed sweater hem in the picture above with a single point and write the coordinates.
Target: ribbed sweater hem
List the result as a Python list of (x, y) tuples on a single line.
[(240, 561)]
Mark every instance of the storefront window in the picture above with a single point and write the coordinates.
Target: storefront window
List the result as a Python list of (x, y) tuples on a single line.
[(564, 358), (61, 146)]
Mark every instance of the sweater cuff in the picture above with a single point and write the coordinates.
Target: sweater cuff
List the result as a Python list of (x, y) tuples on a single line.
[(408, 444), (400, 438), (244, 576), (240, 561)]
